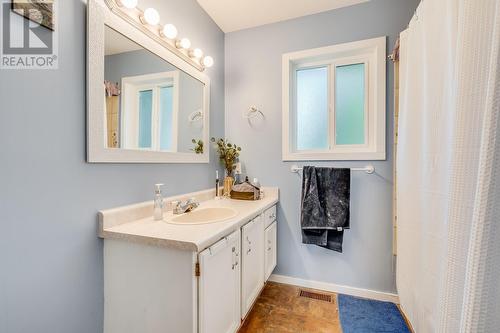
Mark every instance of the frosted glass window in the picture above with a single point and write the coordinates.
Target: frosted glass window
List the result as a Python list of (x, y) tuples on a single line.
[(334, 102), (145, 118), (166, 118), (350, 104), (312, 108)]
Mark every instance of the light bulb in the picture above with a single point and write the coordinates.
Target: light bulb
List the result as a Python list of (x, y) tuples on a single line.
[(208, 61), (183, 44), (151, 16), (130, 4), (170, 31), (196, 53)]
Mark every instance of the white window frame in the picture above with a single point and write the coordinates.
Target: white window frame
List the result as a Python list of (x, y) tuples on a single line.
[(370, 52), (131, 86)]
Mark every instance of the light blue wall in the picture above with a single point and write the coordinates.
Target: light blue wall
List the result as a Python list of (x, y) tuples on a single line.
[(50, 258), (190, 100), (253, 77), (133, 63), (51, 278)]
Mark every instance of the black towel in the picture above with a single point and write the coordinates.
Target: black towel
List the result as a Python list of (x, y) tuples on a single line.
[(325, 206)]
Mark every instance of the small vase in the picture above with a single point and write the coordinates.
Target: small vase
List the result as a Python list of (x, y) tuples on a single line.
[(228, 185)]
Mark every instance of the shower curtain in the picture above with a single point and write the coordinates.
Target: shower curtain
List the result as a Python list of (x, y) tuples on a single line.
[(448, 195)]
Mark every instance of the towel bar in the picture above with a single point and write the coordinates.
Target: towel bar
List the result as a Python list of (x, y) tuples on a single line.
[(369, 169)]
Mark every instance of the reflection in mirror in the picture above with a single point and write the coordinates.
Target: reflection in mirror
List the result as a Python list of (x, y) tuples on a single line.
[(150, 104)]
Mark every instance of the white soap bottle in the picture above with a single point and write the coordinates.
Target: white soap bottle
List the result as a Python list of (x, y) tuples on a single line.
[(158, 203), (256, 183)]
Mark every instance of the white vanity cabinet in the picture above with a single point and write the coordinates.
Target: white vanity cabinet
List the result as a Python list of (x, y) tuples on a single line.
[(252, 263), (157, 279), (219, 286)]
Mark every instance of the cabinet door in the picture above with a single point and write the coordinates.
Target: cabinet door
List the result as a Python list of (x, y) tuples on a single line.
[(252, 269), (270, 249), (219, 286)]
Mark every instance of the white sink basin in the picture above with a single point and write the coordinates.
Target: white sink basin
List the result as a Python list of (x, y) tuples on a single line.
[(204, 215)]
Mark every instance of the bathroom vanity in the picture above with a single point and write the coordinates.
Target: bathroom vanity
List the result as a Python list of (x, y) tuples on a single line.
[(195, 272), (186, 273)]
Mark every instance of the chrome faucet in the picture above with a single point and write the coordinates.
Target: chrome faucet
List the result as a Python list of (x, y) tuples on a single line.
[(184, 207)]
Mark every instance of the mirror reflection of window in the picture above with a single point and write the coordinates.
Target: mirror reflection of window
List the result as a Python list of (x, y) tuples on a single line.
[(150, 107), (164, 113), (166, 118), (145, 118), (148, 100)]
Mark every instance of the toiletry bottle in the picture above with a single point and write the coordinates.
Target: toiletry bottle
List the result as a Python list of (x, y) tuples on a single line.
[(216, 184), (257, 185), (237, 173), (158, 203)]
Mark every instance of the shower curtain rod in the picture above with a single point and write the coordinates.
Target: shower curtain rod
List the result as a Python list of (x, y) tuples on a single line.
[(369, 169), (394, 56)]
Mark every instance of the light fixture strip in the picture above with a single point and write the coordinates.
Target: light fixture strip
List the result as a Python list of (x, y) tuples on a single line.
[(135, 20)]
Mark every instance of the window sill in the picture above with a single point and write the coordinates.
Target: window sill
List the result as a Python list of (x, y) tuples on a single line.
[(335, 156)]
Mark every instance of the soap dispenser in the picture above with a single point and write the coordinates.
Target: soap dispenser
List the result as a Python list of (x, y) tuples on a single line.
[(158, 205)]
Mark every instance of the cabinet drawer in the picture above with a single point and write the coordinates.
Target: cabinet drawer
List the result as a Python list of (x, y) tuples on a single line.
[(269, 216), (270, 239)]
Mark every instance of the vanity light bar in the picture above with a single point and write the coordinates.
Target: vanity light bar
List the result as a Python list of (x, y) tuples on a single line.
[(169, 31), (150, 16), (130, 4), (183, 43), (196, 53), (148, 21)]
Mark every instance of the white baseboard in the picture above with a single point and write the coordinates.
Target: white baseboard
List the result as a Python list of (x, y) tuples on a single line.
[(336, 288)]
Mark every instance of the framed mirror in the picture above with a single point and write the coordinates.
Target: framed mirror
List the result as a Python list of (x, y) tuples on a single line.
[(145, 103)]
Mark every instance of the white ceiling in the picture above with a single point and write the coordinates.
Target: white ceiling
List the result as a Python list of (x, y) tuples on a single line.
[(115, 42), (232, 15)]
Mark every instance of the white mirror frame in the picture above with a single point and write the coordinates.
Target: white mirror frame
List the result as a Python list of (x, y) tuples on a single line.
[(99, 15)]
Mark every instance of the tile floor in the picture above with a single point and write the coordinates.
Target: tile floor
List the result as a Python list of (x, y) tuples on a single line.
[(280, 309)]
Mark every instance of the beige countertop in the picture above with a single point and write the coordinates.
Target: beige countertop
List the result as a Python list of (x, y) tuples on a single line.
[(135, 222)]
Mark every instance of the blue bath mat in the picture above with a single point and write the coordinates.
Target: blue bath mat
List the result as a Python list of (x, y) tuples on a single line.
[(359, 315)]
